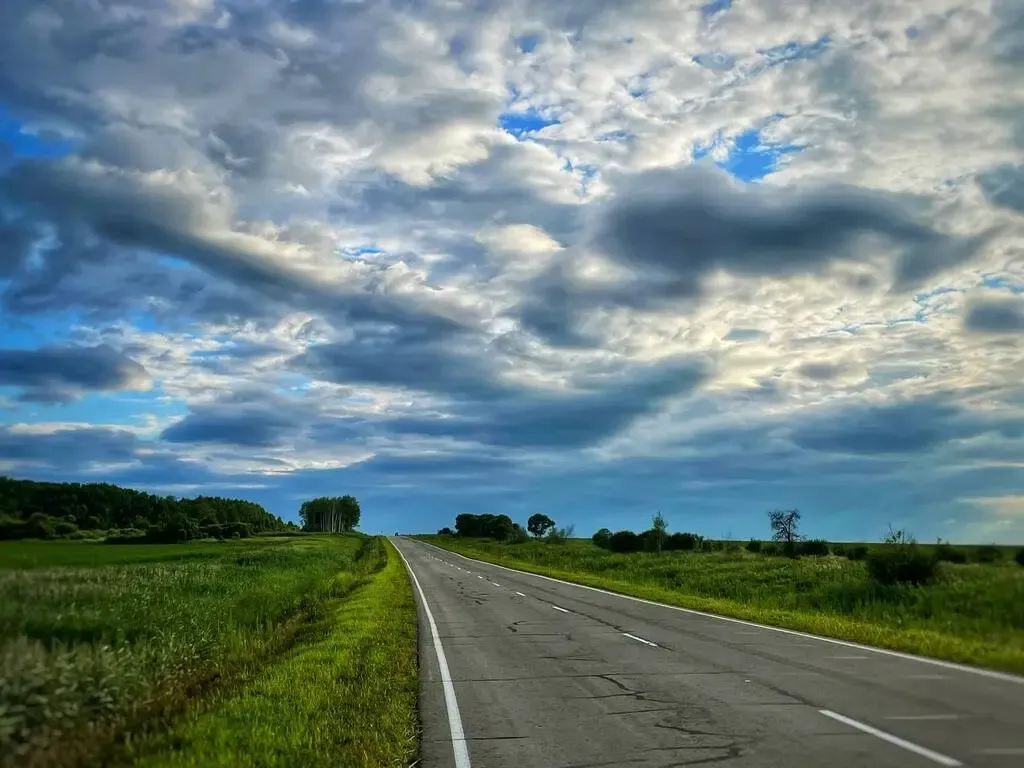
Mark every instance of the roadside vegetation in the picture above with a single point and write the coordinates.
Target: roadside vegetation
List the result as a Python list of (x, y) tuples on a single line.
[(268, 650), (963, 603)]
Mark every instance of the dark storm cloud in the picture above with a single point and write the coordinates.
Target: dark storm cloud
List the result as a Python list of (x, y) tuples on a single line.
[(252, 419), (67, 449), (1004, 186), (418, 358), (917, 426), (995, 315), (682, 224), (54, 374), (563, 419), (820, 371)]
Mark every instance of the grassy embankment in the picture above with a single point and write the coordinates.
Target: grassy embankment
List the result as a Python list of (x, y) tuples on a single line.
[(972, 613), (244, 653)]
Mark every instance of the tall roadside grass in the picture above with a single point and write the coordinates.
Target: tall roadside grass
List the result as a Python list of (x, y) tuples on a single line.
[(970, 613), (101, 644), (344, 698)]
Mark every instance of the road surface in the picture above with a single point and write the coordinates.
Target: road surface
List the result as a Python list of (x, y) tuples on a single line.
[(545, 674)]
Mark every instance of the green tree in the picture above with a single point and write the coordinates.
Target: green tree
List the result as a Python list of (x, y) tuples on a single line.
[(539, 524), (659, 526), (602, 538)]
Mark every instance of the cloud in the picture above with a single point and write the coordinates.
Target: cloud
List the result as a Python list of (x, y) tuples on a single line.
[(995, 315), (55, 374), (897, 428)]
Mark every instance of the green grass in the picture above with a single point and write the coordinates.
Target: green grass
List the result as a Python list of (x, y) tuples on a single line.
[(105, 646), (347, 698), (972, 613)]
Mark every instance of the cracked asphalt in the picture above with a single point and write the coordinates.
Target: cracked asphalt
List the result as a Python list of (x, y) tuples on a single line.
[(549, 675)]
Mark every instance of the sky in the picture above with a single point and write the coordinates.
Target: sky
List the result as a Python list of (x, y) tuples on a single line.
[(595, 259)]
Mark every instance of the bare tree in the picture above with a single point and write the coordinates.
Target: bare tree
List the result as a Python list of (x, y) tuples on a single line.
[(785, 528)]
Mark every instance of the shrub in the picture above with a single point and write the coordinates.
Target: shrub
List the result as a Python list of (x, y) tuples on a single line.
[(64, 528), (560, 535), (39, 526), (839, 549), (602, 538), (813, 548), (625, 541), (944, 552), (1019, 557), (988, 554), (707, 546), (771, 549), (682, 542), (519, 535), (857, 552), (754, 546), (901, 564), (446, 531)]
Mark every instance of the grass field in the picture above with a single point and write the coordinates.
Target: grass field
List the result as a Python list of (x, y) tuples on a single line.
[(972, 613), (252, 652)]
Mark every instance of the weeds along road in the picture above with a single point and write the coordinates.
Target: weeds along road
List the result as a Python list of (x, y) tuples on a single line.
[(549, 675)]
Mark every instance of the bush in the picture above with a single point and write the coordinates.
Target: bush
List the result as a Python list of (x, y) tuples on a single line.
[(813, 548), (771, 549), (519, 535), (446, 531), (754, 546), (602, 538), (560, 535), (39, 526), (707, 546), (682, 542), (625, 541), (857, 552), (1019, 557), (988, 554), (64, 528), (945, 553), (901, 564)]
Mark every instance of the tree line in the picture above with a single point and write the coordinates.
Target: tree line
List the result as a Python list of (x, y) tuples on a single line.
[(32, 509)]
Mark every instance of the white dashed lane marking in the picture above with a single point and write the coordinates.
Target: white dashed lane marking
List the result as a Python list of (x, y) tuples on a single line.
[(640, 639)]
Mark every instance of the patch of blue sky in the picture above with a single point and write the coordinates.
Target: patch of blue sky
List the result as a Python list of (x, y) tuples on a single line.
[(126, 409), (38, 331), (527, 43), (21, 143), (750, 157), (524, 123), (1003, 284), (716, 60), (795, 51), (715, 7)]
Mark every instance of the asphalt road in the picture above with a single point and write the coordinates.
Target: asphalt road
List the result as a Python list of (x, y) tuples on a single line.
[(550, 675)]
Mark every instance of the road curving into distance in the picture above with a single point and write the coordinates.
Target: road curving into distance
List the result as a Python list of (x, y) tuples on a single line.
[(522, 671)]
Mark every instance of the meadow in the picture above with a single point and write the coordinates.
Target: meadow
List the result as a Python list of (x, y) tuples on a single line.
[(971, 613), (247, 652)]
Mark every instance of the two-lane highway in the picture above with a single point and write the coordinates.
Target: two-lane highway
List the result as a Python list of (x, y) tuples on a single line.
[(519, 671)]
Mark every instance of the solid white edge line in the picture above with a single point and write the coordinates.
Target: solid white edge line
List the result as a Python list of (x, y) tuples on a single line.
[(640, 640), (1004, 676), (520, 594), (460, 752), (563, 610), (896, 740)]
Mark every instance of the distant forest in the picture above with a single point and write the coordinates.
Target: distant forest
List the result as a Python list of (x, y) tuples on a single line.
[(30, 509)]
